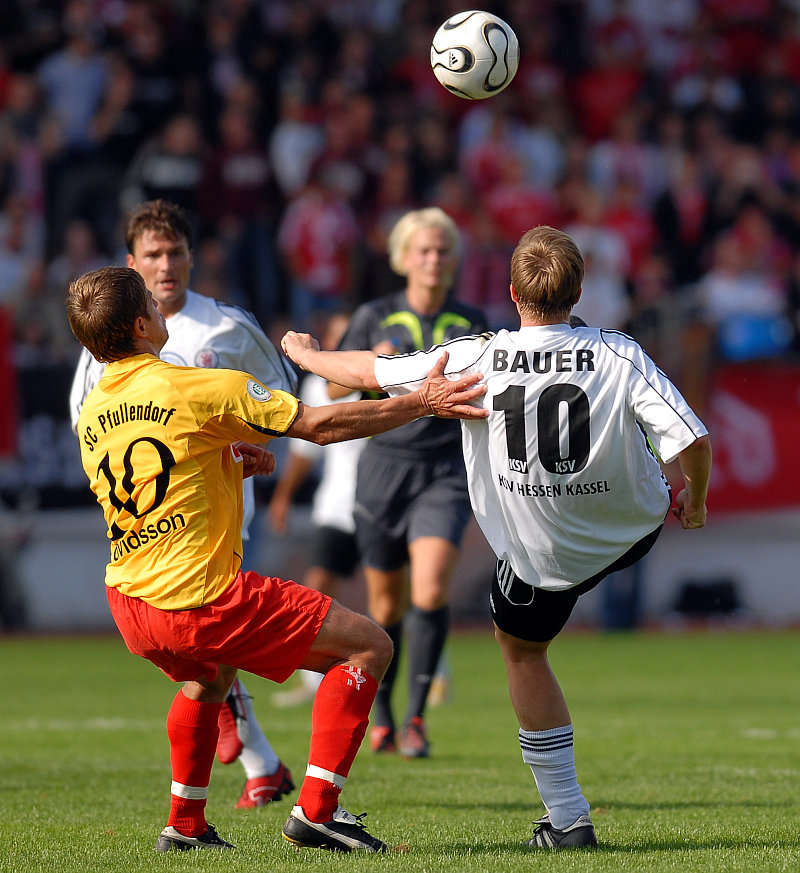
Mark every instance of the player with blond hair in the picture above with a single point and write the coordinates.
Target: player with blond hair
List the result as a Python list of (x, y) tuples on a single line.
[(412, 504)]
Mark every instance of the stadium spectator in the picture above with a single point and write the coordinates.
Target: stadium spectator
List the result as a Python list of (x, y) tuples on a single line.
[(533, 494), (626, 214), (680, 214), (117, 130), (204, 333), (659, 313), (42, 334), (432, 151), (608, 87), (190, 609), (514, 204), (489, 137), (295, 141), (79, 254), (73, 80), (318, 237), (238, 204), (626, 155), (24, 150), (484, 260), (702, 78), (540, 75), (163, 63), (392, 198), (21, 248), (411, 499), (742, 301), (225, 56), (168, 166), (351, 152), (605, 253)]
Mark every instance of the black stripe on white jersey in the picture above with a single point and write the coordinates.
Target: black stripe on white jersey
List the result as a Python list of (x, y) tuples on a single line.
[(603, 332), (487, 335)]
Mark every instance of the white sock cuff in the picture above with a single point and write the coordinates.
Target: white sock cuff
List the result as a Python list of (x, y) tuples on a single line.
[(189, 792), (542, 745), (327, 775)]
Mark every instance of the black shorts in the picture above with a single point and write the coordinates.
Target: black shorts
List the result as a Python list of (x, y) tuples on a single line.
[(334, 550), (399, 500), (538, 615)]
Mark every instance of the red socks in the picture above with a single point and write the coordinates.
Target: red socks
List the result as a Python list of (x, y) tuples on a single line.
[(339, 721), (193, 729)]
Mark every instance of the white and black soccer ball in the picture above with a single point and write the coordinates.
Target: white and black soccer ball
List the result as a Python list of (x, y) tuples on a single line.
[(474, 54)]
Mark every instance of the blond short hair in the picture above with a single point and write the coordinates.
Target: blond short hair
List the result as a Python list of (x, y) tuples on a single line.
[(410, 223), (546, 272)]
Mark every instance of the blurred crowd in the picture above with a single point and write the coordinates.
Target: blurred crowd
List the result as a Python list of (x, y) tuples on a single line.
[(664, 137)]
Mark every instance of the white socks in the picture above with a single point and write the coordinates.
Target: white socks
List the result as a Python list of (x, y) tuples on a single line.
[(258, 757), (551, 757)]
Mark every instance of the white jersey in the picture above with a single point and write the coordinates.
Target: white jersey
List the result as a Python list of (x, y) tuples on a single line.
[(563, 478), (334, 497), (206, 333)]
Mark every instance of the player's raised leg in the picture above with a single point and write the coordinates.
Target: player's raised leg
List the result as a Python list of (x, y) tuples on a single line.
[(545, 737), (353, 653)]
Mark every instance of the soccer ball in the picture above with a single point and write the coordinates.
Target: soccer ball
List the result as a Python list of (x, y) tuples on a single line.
[(474, 54)]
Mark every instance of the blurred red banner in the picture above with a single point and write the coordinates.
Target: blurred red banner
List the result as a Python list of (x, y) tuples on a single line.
[(754, 423)]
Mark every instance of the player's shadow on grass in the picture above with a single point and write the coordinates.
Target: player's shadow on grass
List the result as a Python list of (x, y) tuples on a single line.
[(514, 846), (728, 803), (525, 806)]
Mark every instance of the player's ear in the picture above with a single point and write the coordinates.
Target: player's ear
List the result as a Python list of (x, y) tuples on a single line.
[(513, 292), (130, 261), (140, 327)]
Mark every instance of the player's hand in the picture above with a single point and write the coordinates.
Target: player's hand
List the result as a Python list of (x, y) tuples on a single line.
[(294, 344), (448, 398), (385, 347), (278, 513), (691, 517), (257, 460)]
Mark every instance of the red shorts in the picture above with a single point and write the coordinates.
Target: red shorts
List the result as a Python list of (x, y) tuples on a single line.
[(260, 624)]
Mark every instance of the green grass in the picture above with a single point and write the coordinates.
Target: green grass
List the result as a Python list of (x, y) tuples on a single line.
[(688, 749)]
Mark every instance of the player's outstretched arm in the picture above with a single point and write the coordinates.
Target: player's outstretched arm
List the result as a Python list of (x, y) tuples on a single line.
[(695, 464), (345, 421), (352, 369)]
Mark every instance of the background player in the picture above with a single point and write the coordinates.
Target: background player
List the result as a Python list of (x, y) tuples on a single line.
[(204, 333), (333, 552), (162, 448), (564, 480), (412, 504)]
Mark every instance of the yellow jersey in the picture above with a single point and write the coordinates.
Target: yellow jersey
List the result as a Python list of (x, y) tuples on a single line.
[(156, 443)]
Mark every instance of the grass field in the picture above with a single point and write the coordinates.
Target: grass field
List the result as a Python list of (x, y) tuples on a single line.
[(688, 748)]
